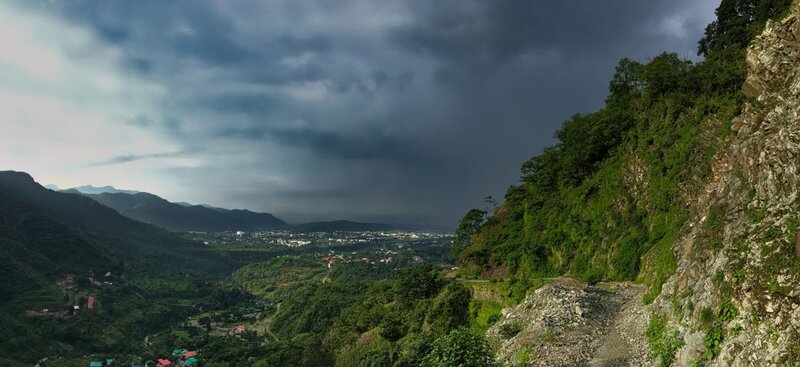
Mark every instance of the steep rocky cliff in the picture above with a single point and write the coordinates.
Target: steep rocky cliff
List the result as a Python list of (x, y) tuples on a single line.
[(725, 285), (733, 300)]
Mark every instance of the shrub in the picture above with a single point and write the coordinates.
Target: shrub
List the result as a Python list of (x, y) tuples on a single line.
[(664, 343), (510, 330), (460, 348)]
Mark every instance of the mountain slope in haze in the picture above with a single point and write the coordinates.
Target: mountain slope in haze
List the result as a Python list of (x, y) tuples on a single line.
[(89, 189), (152, 209), (34, 249), (97, 229)]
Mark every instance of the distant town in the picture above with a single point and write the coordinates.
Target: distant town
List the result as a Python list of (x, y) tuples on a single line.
[(323, 239)]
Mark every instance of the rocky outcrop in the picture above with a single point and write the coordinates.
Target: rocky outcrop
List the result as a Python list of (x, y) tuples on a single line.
[(566, 324), (735, 298)]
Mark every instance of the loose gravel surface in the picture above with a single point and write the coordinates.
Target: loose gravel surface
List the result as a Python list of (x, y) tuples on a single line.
[(566, 324)]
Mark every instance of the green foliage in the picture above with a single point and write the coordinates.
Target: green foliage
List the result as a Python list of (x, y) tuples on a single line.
[(664, 343), (467, 227), (658, 264), (712, 341), (450, 309), (484, 314), (510, 330), (577, 212), (711, 231), (266, 277), (372, 352), (714, 322), (313, 307), (706, 317), (737, 22), (727, 312), (525, 355), (363, 319), (418, 281), (412, 349), (460, 348)]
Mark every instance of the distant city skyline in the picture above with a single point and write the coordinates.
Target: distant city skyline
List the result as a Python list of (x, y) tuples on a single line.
[(392, 111)]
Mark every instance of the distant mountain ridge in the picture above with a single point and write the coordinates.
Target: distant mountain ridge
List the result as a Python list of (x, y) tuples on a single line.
[(184, 216), (149, 208), (89, 189)]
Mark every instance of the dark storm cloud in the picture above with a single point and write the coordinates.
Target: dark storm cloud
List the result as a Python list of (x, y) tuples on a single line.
[(366, 144), (493, 32), (338, 146), (136, 157), (375, 109)]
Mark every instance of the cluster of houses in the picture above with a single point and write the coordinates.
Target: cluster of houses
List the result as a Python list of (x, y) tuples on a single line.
[(331, 258), (180, 358), (105, 363), (68, 282)]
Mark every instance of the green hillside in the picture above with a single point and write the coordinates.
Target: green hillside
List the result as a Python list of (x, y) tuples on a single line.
[(97, 230), (607, 201), (45, 235)]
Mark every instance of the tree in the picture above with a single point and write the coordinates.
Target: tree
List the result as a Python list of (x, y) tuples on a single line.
[(450, 309), (371, 351), (491, 202), (418, 281), (460, 348), (467, 227), (412, 350), (737, 22)]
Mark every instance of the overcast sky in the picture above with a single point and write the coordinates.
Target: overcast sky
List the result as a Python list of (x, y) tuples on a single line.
[(397, 111)]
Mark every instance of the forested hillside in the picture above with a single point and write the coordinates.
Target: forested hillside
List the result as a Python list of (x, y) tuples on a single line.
[(47, 236), (608, 201)]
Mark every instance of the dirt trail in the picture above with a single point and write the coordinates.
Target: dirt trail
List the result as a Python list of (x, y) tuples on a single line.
[(566, 324), (268, 322), (624, 343)]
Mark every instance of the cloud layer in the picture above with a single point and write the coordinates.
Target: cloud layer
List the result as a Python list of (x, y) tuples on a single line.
[(393, 110)]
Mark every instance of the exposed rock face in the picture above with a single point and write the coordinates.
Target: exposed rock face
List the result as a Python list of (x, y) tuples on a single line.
[(735, 297), (740, 277), (565, 324)]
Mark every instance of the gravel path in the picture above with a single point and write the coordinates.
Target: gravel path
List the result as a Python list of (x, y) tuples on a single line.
[(565, 324), (624, 343)]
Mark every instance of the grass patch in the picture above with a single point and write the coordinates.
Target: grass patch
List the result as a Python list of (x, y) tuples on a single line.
[(483, 314), (664, 343), (658, 264)]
